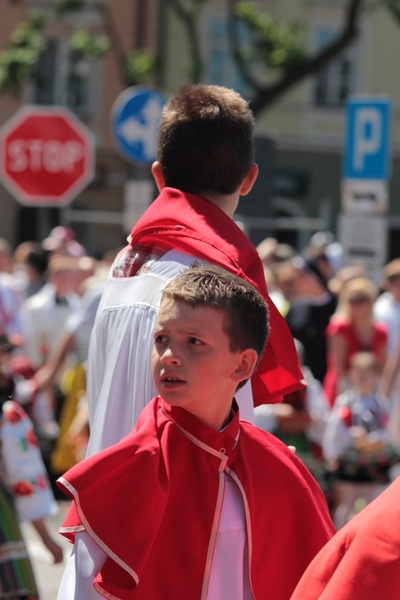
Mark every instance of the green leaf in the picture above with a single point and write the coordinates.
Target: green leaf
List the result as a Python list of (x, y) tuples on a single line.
[(275, 45), (139, 66), (23, 51), (65, 6), (88, 44)]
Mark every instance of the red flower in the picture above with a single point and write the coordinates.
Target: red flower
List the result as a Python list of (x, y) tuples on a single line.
[(346, 415), (22, 488), (12, 412), (31, 438), (41, 482)]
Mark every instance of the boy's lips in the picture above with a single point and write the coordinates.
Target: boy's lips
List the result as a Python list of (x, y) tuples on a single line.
[(170, 380)]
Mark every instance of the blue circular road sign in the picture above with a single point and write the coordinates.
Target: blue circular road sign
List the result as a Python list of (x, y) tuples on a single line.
[(134, 122)]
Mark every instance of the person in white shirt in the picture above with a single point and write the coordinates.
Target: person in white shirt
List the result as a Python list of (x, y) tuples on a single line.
[(204, 164)]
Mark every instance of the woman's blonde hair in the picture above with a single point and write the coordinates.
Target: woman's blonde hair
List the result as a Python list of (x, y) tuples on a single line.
[(356, 286)]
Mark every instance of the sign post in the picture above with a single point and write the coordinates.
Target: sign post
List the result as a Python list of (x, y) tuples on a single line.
[(134, 125), (366, 170), (46, 156)]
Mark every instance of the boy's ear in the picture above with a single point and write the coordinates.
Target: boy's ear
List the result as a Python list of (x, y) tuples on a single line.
[(249, 180), (158, 175), (245, 369)]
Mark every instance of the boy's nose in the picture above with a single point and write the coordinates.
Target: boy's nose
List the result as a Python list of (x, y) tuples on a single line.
[(170, 357)]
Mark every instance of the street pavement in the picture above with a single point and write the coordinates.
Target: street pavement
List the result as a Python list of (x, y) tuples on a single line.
[(48, 575)]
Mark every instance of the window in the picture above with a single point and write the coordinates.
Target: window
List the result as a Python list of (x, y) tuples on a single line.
[(335, 82), (220, 68), (64, 77)]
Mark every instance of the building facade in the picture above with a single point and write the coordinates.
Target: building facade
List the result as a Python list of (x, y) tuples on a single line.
[(301, 192)]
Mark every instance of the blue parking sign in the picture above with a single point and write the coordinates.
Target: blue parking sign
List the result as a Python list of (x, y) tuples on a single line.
[(134, 123), (367, 139)]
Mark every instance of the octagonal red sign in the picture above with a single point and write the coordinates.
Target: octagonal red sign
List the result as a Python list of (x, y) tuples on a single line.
[(46, 155)]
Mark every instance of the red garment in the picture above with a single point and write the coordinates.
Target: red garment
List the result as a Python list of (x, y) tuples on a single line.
[(362, 561), (197, 226), (343, 327), (152, 503)]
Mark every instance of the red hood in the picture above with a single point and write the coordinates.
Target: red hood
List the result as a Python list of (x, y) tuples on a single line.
[(195, 225)]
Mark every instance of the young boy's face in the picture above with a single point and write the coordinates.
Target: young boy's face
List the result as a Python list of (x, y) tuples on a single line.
[(365, 380), (193, 366)]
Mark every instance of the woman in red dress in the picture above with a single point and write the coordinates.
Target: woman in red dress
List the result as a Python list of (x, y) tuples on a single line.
[(352, 329)]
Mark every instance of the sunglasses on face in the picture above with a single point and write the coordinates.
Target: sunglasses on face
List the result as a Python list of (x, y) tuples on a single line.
[(359, 299)]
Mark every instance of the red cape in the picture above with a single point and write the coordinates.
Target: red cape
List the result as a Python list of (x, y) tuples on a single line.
[(152, 501), (197, 226), (362, 561)]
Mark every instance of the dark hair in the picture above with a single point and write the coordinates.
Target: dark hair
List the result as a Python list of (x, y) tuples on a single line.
[(38, 260), (205, 140), (246, 312)]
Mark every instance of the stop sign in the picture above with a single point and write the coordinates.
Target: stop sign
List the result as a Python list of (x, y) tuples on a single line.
[(46, 155)]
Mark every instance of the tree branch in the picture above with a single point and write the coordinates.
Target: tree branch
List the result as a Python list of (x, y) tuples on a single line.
[(265, 95), (116, 45), (189, 19)]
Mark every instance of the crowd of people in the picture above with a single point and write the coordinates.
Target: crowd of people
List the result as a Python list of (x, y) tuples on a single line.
[(87, 346), (345, 424), (49, 293)]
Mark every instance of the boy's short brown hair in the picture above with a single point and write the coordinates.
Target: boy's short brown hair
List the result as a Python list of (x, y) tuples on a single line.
[(205, 140), (246, 322)]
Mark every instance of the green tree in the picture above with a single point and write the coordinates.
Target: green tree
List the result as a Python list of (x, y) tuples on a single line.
[(28, 42), (275, 58)]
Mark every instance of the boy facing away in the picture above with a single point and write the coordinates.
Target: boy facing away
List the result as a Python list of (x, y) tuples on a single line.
[(195, 503), (205, 163)]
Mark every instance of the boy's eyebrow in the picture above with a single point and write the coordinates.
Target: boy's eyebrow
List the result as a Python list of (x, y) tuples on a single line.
[(187, 330)]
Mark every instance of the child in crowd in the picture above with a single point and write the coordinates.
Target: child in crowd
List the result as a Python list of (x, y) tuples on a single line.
[(195, 503), (25, 492), (356, 442)]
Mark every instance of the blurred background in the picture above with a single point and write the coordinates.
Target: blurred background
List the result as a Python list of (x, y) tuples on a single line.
[(82, 86), (298, 62)]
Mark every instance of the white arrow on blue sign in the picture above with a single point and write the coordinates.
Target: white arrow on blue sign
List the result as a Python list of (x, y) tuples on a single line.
[(134, 122), (367, 145)]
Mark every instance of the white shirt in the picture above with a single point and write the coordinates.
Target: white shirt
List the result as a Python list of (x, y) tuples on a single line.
[(387, 310), (44, 321), (229, 578), (10, 308)]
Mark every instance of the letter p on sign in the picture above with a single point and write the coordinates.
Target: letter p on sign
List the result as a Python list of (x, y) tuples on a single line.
[(367, 136)]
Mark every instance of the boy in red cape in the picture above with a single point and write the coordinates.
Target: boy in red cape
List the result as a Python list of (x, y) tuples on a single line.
[(195, 503), (362, 561), (205, 163)]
